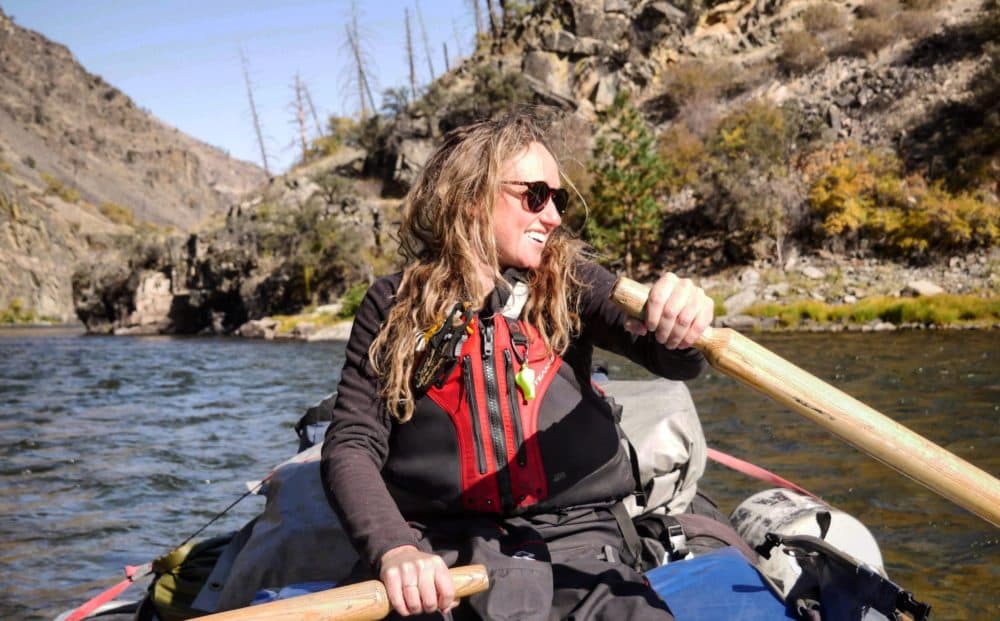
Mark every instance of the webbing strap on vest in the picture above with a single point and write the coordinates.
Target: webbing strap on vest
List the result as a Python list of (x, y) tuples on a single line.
[(633, 544)]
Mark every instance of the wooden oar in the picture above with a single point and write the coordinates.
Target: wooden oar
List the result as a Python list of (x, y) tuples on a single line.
[(365, 601), (855, 423)]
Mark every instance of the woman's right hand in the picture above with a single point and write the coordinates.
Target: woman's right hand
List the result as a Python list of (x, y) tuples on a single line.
[(417, 582)]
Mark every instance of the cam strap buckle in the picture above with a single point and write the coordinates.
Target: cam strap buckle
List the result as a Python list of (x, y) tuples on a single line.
[(678, 542)]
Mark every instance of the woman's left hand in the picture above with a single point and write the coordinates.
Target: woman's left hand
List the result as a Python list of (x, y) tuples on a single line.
[(677, 312)]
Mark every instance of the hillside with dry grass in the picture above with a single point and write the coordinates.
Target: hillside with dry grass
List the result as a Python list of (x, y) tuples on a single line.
[(83, 169)]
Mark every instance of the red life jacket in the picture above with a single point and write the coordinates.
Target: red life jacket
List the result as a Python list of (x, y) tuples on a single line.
[(476, 443)]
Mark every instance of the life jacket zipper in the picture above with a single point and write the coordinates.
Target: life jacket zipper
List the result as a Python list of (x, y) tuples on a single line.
[(470, 395), (495, 415), (515, 410)]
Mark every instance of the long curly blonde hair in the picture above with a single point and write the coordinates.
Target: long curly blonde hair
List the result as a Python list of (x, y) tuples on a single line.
[(447, 232)]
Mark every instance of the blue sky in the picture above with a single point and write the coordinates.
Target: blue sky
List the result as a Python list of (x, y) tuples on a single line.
[(180, 59)]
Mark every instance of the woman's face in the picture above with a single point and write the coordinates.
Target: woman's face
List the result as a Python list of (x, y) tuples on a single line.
[(520, 234)]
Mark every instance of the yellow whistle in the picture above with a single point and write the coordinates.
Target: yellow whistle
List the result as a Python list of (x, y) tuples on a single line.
[(525, 380)]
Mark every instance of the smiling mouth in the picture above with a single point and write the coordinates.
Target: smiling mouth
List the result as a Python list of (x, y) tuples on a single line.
[(537, 237)]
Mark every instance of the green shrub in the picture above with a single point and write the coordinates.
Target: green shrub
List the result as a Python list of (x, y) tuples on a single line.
[(340, 131), (58, 188), (493, 91), (760, 133), (351, 300), (629, 185), (16, 313), (117, 213), (684, 154), (752, 190)]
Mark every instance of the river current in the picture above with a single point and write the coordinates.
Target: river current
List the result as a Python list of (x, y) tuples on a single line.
[(113, 450)]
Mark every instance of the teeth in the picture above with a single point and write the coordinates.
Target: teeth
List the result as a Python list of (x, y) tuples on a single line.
[(536, 237)]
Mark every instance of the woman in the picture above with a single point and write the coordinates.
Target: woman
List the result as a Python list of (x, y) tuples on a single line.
[(466, 428)]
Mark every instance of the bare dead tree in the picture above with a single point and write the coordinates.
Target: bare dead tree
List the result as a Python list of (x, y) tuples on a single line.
[(494, 21), (253, 113), (447, 65), (300, 116), (477, 10), (365, 97), (409, 56), (364, 90), (458, 38), (423, 32), (312, 110)]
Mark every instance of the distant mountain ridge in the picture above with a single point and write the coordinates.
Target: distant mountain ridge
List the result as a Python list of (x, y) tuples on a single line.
[(82, 167)]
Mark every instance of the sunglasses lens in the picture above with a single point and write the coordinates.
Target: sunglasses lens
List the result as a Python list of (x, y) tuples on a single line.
[(561, 198), (538, 194)]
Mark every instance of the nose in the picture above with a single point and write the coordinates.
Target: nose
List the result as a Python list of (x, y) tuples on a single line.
[(549, 214)]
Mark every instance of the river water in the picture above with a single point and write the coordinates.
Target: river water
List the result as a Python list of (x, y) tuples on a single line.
[(113, 450)]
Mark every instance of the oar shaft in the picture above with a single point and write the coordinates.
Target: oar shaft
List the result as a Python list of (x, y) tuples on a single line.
[(853, 421), (365, 601)]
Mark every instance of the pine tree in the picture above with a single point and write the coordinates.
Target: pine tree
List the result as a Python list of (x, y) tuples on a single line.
[(626, 213)]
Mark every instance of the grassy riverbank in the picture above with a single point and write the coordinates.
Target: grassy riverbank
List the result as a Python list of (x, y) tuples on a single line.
[(17, 315), (945, 310)]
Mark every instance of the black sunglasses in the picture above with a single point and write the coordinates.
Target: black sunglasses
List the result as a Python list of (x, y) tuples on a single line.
[(539, 193)]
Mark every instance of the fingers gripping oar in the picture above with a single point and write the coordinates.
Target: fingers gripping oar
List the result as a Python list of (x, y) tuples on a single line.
[(855, 423), (365, 601)]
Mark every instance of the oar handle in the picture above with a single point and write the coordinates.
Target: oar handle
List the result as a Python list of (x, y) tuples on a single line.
[(365, 601), (854, 422)]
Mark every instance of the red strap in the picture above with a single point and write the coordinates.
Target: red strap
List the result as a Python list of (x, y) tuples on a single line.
[(755, 471), (131, 571)]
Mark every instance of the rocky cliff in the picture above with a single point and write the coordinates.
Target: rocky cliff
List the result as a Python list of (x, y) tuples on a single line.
[(83, 169)]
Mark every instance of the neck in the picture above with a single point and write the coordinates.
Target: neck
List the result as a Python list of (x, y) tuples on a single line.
[(486, 280)]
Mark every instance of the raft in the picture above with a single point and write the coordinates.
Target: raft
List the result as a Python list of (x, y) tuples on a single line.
[(813, 559)]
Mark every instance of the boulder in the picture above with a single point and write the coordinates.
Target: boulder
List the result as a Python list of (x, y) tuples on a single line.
[(588, 46), (742, 300), (337, 332), (918, 288), (550, 71), (777, 290), (410, 157), (749, 277), (604, 94), (739, 322), (656, 14), (617, 6), (153, 300), (259, 329), (812, 272), (559, 41)]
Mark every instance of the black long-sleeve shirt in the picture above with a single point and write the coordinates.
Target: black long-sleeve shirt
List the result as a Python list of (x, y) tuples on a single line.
[(357, 445)]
